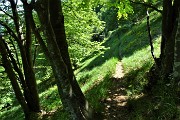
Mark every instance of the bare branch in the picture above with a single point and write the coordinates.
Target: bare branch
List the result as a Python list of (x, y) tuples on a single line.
[(15, 66), (150, 37), (16, 18), (6, 13), (37, 34), (16, 53), (147, 5), (10, 31)]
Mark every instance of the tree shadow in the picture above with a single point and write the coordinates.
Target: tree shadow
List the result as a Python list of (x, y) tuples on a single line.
[(46, 84), (134, 38), (119, 105), (15, 113), (111, 45), (115, 105)]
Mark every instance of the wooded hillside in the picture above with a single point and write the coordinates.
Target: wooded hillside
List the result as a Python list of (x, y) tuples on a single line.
[(89, 60)]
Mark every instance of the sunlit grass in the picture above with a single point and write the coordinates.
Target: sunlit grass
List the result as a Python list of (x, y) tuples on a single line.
[(98, 83), (50, 99), (15, 113), (95, 75), (137, 66), (136, 52)]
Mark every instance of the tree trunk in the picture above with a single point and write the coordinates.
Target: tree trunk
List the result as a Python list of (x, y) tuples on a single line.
[(53, 25), (176, 69), (55, 10), (9, 70), (168, 37), (32, 98)]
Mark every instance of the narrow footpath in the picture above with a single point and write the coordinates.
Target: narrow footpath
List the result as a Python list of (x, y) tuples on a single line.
[(115, 104)]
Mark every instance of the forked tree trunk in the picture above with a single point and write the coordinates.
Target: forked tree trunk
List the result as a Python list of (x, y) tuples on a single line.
[(32, 97)]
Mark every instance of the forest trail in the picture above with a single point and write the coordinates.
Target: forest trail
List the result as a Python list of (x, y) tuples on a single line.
[(115, 104)]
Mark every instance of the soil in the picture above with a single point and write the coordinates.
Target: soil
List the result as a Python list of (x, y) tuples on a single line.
[(115, 105)]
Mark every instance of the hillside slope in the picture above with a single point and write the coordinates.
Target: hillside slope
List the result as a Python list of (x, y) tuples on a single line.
[(131, 46)]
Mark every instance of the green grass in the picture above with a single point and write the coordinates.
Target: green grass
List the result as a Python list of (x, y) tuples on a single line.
[(95, 74)]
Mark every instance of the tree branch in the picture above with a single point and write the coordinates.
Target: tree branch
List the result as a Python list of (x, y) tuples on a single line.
[(38, 36), (147, 5), (16, 19), (6, 13), (12, 76), (16, 68), (16, 53), (10, 31), (156, 60), (150, 37)]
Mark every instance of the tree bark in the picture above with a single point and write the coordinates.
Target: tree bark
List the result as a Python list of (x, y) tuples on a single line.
[(59, 31), (176, 69), (52, 21), (32, 98), (33, 102), (168, 37)]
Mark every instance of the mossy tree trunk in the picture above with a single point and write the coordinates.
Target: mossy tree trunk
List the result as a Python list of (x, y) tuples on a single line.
[(176, 69)]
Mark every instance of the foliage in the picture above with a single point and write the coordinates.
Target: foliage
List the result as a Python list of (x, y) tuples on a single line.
[(109, 16), (6, 90), (80, 23)]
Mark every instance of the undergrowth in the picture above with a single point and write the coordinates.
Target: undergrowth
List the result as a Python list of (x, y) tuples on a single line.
[(137, 61)]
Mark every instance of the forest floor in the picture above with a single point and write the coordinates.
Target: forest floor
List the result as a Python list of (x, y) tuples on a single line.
[(115, 106)]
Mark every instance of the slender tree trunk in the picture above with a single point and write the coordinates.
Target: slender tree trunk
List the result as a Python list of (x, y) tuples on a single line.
[(33, 102), (9, 70), (32, 98)]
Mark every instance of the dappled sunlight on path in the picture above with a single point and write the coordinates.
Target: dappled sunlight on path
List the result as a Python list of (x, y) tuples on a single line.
[(119, 71), (115, 104)]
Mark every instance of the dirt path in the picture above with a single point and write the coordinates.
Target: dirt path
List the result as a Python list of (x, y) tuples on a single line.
[(115, 104)]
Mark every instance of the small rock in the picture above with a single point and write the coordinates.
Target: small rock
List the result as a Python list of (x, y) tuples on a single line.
[(108, 106)]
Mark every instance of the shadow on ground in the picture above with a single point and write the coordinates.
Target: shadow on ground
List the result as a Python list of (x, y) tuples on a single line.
[(46, 84), (115, 106), (133, 39)]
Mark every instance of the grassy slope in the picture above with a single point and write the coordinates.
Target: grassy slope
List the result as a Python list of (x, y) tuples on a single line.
[(95, 72)]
